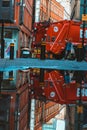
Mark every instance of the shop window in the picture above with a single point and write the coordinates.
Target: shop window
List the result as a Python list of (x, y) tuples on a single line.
[(5, 3), (8, 84), (8, 34), (2, 115)]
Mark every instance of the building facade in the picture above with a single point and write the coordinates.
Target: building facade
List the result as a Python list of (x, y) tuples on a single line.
[(75, 9), (16, 25), (15, 28), (16, 18), (44, 112), (42, 109), (45, 10), (67, 8), (48, 9)]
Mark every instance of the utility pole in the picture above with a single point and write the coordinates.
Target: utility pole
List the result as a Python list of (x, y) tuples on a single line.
[(2, 51), (84, 21), (2, 40)]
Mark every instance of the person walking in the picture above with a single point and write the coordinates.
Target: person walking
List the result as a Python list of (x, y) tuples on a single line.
[(68, 48)]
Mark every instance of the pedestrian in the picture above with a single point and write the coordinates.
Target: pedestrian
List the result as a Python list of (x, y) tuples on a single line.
[(67, 77), (72, 55), (68, 48)]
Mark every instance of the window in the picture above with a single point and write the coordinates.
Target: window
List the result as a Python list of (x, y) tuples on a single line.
[(4, 112), (8, 84), (2, 115), (5, 3), (8, 33), (21, 16)]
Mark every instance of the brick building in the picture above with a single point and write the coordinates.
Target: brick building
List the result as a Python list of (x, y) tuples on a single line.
[(67, 8), (15, 28), (77, 9), (48, 9), (16, 18)]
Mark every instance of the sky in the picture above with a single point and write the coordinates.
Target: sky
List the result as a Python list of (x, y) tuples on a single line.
[(65, 4)]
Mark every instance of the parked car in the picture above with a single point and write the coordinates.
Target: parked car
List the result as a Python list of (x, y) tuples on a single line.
[(25, 53)]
